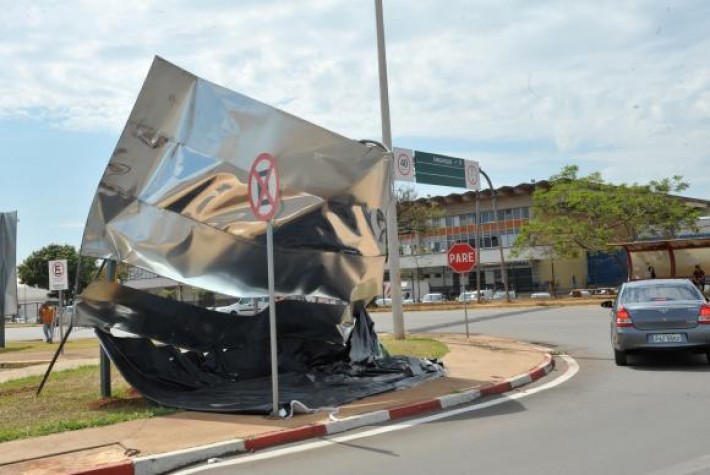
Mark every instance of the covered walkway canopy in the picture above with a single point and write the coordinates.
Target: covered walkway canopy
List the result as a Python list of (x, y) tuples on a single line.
[(669, 257)]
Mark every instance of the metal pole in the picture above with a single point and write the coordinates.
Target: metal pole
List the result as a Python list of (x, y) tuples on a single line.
[(272, 319), (54, 358), (554, 286), (59, 316), (503, 273), (478, 250), (465, 308), (392, 237), (104, 361)]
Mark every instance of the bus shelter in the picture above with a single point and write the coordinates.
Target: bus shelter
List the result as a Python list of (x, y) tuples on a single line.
[(669, 258)]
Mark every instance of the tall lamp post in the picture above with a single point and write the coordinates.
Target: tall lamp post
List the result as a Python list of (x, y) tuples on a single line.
[(392, 238), (503, 273)]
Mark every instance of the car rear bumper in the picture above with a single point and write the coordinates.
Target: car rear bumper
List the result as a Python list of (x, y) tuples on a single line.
[(629, 339)]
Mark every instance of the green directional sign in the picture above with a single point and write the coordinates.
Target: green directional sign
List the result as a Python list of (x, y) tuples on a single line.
[(435, 169)]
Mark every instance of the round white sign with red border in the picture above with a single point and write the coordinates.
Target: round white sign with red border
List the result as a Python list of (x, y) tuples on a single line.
[(472, 176), (404, 164), (264, 187)]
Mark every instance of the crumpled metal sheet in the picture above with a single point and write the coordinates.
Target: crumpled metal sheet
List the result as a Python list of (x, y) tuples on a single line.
[(197, 359), (173, 199)]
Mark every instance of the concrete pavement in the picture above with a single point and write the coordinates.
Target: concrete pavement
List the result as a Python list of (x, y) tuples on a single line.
[(476, 367)]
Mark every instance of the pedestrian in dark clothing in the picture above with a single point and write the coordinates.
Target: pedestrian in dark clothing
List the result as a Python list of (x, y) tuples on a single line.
[(699, 278)]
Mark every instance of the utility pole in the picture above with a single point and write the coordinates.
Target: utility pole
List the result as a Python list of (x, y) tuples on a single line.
[(392, 237), (503, 273)]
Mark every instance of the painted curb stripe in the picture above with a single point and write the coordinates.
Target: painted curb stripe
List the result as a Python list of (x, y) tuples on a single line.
[(354, 422), (285, 437), (120, 468), (451, 400), (413, 409), (496, 388), (161, 463)]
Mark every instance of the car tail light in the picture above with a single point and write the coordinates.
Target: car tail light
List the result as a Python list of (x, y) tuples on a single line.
[(704, 315), (623, 319)]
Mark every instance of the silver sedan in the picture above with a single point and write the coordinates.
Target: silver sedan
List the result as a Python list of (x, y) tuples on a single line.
[(658, 314)]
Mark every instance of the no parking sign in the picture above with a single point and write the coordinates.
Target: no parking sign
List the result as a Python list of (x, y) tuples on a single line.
[(264, 187), (58, 275)]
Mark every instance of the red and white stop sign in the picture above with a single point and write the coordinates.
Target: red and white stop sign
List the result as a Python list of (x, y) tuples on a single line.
[(461, 257)]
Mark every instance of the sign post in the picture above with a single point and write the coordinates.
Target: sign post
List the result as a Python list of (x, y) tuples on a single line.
[(59, 280), (264, 195), (461, 258)]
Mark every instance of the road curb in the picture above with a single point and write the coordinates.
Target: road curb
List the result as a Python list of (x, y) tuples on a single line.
[(161, 463)]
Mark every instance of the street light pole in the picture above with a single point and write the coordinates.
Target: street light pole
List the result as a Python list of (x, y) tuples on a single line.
[(392, 237), (503, 273)]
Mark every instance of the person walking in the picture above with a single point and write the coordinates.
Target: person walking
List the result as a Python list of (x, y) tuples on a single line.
[(699, 278), (46, 314)]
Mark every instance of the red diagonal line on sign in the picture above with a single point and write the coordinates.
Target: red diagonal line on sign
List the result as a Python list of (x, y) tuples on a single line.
[(262, 178)]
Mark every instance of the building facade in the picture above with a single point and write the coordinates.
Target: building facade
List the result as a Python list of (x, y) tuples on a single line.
[(423, 255)]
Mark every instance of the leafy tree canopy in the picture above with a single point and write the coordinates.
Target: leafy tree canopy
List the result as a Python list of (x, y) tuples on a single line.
[(414, 216), (587, 214), (35, 269)]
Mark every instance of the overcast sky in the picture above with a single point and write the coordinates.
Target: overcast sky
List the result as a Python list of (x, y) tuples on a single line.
[(619, 87)]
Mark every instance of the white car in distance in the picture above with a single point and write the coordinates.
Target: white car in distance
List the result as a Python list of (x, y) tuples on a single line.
[(245, 306), (472, 295), (433, 298)]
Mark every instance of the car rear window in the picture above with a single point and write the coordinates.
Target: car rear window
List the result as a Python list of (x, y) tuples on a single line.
[(659, 293)]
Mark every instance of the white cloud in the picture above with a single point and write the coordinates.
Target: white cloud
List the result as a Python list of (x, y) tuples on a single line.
[(620, 87)]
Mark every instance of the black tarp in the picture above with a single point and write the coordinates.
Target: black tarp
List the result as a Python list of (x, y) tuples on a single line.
[(188, 357)]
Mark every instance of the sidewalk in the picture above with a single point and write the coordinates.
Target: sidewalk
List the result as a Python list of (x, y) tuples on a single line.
[(476, 367)]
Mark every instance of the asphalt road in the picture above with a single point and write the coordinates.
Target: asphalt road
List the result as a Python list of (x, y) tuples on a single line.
[(34, 332), (646, 418)]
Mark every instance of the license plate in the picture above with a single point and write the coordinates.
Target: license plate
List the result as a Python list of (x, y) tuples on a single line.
[(666, 338)]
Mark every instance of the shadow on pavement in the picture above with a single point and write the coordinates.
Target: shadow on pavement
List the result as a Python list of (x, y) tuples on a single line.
[(479, 319)]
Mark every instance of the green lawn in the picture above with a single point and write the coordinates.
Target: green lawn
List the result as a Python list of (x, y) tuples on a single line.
[(419, 347), (38, 345), (70, 400)]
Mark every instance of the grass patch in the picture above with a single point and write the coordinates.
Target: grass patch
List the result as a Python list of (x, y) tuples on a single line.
[(418, 347), (38, 345), (70, 400)]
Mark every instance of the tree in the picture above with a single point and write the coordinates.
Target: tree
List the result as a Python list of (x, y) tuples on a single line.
[(576, 214), (35, 269), (414, 215), (414, 218)]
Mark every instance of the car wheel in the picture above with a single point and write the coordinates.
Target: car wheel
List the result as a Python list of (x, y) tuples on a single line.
[(234, 313), (620, 358), (707, 354)]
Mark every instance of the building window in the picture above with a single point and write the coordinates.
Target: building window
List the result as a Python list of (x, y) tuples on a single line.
[(468, 218), (486, 217), (452, 221), (505, 214)]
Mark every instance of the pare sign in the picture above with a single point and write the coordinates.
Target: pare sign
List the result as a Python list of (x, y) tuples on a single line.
[(461, 257)]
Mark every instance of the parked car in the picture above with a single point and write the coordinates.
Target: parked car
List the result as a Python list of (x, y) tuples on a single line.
[(540, 295), (383, 302), (580, 293), (658, 314), (245, 306), (500, 294), (472, 295), (433, 298)]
